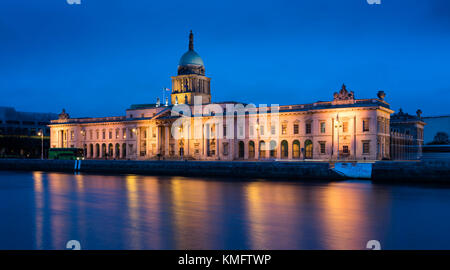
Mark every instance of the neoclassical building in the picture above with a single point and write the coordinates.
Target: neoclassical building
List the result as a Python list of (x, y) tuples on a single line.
[(194, 127)]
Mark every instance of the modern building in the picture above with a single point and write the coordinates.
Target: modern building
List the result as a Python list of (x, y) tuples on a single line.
[(19, 132), (194, 127)]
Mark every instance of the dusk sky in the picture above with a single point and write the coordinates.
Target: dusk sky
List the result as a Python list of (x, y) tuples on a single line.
[(98, 58)]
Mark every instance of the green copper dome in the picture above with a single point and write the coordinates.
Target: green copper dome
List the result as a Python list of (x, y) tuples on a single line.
[(191, 62), (190, 58)]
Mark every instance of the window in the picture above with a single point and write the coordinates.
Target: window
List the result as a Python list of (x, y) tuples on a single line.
[(262, 130), (110, 134), (90, 134), (322, 127), (72, 135), (345, 149), (224, 131), (131, 134), (117, 133), (308, 128), (366, 147), (273, 130), (251, 131), (284, 128), (124, 133), (322, 147), (365, 125), (295, 128), (97, 134), (345, 127), (103, 134), (241, 131), (225, 149), (154, 132)]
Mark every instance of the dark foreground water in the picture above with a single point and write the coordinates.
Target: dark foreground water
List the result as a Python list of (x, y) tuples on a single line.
[(45, 210)]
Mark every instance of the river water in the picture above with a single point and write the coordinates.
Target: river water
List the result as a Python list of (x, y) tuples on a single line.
[(45, 210)]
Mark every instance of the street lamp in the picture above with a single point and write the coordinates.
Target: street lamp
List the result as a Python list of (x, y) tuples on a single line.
[(338, 125), (41, 133)]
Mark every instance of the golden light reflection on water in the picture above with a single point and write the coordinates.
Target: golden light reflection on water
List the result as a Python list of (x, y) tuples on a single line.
[(146, 212), (192, 214), (344, 216), (39, 202), (271, 219)]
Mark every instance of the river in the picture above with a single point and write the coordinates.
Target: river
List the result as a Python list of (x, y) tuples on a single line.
[(45, 210)]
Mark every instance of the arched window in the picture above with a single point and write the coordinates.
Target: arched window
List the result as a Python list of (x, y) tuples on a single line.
[(296, 149), (91, 151), (273, 149), (284, 149), (251, 150), (124, 150), (262, 149), (117, 150), (308, 149), (110, 150), (103, 150), (97, 150), (241, 149)]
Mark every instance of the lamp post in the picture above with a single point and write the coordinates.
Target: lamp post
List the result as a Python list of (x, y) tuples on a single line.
[(338, 125), (41, 133)]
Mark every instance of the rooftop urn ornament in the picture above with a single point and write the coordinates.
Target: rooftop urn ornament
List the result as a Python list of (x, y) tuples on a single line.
[(158, 102), (419, 113), (63, 115), (176, 100), (167, 101), (381, 95)]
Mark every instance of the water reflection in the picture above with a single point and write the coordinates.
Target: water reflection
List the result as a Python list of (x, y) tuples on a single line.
[(144, 212)]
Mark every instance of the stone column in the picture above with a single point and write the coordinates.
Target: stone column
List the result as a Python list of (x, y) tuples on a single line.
[(166, 140)]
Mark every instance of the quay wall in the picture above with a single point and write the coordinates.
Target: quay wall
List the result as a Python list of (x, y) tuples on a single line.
[(433, 171), (230, 169)]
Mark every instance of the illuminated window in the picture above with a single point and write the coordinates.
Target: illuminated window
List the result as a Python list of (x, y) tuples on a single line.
[(322, 127), (72, 135), (284, 128), (345, 127), (124, 133)]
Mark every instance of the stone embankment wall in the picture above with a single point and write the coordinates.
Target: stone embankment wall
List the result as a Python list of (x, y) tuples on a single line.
[(234, 169)]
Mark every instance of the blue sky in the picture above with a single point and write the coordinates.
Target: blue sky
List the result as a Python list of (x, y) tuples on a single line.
[(97, 58)]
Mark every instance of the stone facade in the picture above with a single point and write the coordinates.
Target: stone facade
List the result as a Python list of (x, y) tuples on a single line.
[(344, 128)]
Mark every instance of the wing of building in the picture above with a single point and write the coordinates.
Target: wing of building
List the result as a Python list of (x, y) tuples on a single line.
[(194, 127)]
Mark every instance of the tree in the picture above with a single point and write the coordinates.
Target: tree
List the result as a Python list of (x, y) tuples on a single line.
[(441, 138)]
